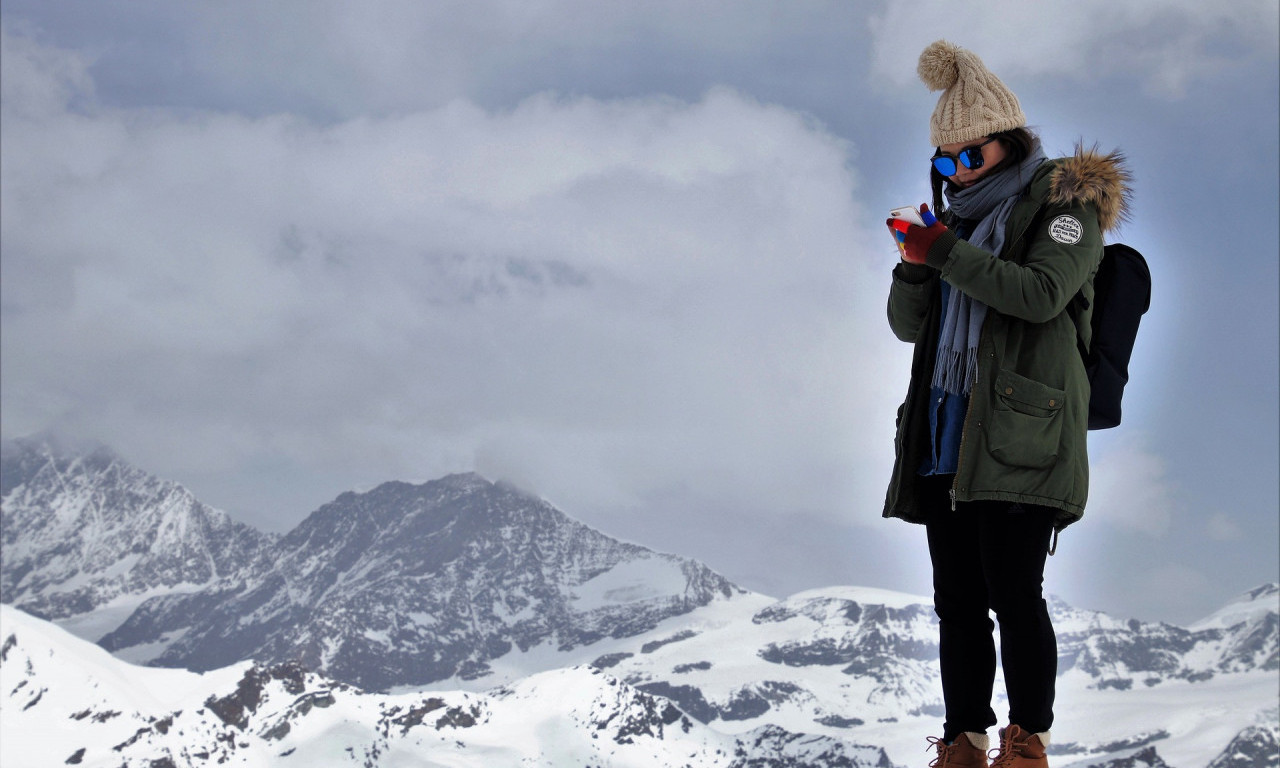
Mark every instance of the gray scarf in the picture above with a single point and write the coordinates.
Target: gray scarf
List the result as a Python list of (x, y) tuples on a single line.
[(988, 202)]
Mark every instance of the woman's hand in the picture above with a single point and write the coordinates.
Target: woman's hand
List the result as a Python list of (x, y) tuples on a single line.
[(917, 240)]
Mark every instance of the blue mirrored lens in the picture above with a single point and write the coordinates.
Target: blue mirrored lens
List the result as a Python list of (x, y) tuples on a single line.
[(970, 157)]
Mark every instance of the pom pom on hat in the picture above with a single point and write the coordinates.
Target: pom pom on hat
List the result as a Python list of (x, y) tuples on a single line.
[(938, 67), (974, 102)]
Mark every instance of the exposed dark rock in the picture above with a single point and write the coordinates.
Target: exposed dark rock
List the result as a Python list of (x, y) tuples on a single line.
[(1253, 747), (611, 660)]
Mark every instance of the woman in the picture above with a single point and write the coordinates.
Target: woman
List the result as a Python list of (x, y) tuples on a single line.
[(990, 449)]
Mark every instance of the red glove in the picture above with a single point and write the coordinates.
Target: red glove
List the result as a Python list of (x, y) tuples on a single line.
[(917, 240)]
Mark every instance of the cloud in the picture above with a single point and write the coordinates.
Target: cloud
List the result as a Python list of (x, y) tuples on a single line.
[(604, 298), (1169, 587), (277, 251), (335, 60), (40, 80), (1223, 527), (1128, 485), (1164, 45)]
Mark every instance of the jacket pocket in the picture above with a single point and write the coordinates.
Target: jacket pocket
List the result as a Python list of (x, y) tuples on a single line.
[(1025, 428)]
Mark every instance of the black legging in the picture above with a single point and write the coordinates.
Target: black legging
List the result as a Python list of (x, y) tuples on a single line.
[(991, 555)]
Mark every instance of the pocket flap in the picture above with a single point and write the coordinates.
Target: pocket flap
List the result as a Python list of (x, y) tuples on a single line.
[(1015, 389)]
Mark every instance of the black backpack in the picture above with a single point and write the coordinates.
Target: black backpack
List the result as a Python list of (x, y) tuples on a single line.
[(1121, 296)]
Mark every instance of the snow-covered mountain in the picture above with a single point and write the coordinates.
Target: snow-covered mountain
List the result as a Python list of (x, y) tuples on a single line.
[(863, 663), (1241, 637), (849, 655), (462, 594), (409, 584), (400, 586), (86, 536), (59, 691), (66, 701)]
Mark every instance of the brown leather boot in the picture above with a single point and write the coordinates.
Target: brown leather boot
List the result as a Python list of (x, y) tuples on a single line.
[(969, 750), (1019, 749)]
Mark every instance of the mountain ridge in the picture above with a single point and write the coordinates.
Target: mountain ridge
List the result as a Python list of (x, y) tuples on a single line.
[(402, 584), (82, 532), (100, 708), (65, 701), (461, 584)]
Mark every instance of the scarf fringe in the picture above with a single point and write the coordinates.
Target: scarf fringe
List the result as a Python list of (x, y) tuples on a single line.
[(956, 371)]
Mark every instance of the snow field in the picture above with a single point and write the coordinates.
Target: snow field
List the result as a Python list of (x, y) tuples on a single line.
[(571, 714)]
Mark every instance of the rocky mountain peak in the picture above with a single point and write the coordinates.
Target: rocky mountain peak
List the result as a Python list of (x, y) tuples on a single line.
[(409, 584), (84, 530), (1248, 607), (24, 460), (462, 582)]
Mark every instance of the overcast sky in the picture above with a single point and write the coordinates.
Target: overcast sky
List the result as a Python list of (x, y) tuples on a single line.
[(627, 256)]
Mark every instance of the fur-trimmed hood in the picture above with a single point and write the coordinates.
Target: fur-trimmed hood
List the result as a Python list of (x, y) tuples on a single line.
[(1092, 177)]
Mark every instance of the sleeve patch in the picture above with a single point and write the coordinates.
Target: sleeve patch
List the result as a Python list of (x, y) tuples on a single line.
[(1066, 230)]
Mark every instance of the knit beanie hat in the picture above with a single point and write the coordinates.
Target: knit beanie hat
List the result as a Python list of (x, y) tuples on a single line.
[(974, 102)]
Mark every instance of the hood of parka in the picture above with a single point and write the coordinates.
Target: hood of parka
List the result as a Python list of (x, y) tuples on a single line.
[(1089, 176)]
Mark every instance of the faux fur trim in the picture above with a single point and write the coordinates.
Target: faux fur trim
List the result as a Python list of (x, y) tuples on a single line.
[(1092, 177)]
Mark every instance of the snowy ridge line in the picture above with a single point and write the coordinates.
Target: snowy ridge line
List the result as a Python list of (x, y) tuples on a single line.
[(490, 570), (86, 533), (98, 711), (462, 586), (59, 690)]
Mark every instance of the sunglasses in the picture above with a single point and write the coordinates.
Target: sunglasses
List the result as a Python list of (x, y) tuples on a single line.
[(969, 157)]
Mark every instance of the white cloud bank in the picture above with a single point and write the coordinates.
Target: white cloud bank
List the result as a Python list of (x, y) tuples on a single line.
[(600, 299), (1129, 485), (351, 246), (1166, 44)]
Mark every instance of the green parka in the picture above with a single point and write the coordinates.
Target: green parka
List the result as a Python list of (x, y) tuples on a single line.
[(1024, 437)]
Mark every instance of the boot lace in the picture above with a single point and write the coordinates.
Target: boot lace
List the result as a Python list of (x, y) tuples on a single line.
[(1006, 753), (944, 752)]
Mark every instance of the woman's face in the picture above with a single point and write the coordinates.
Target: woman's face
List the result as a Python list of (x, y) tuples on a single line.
[(993, 155)]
